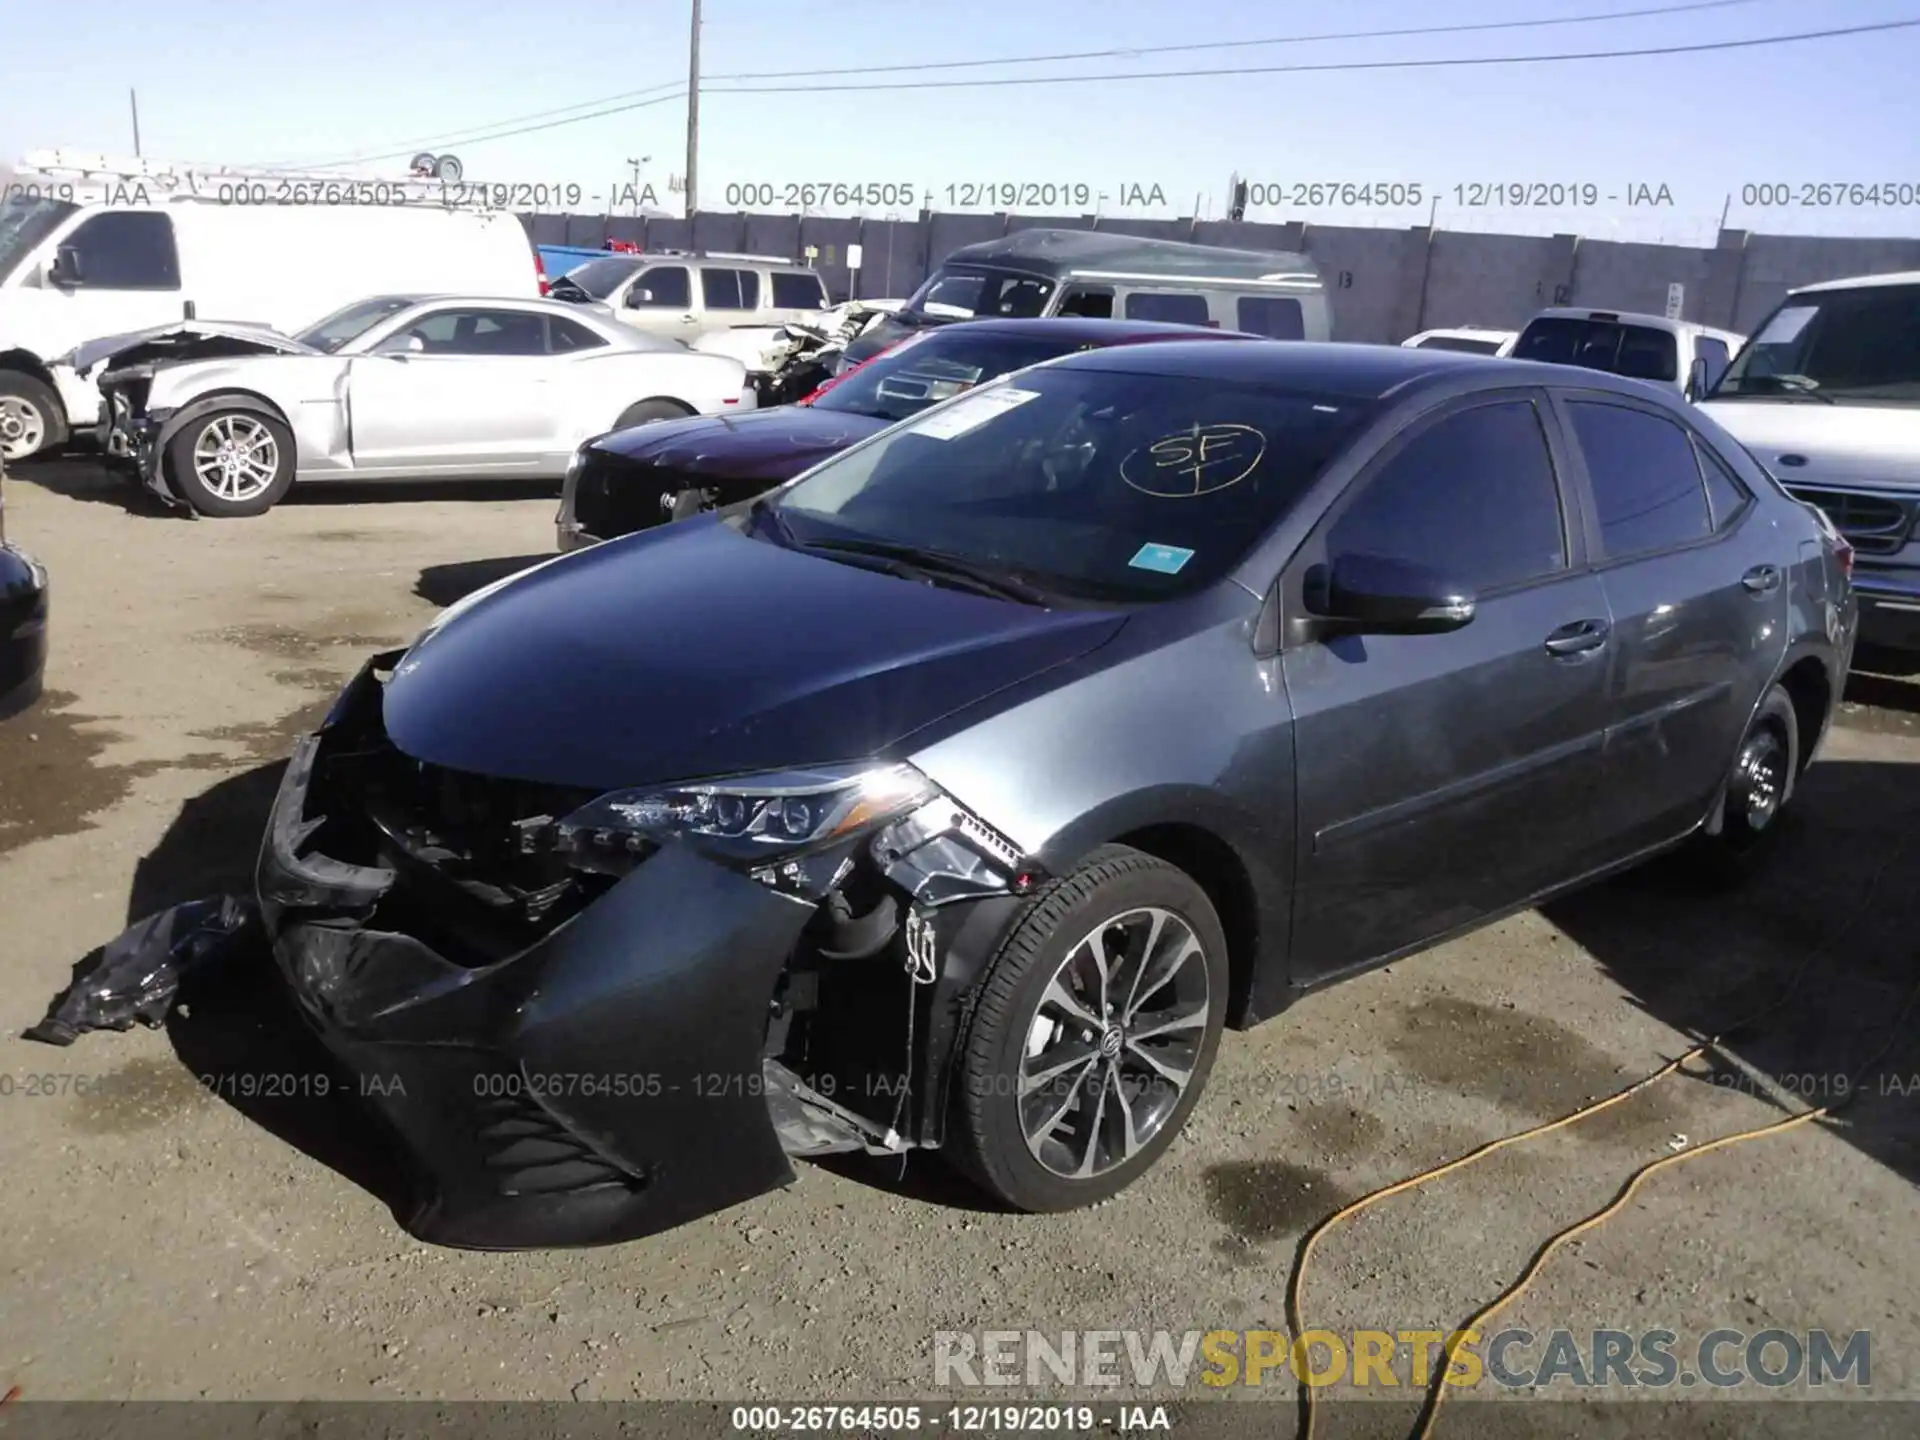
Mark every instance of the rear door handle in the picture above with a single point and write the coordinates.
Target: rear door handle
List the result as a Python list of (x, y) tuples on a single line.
[(1578, 637), (1761, 579)]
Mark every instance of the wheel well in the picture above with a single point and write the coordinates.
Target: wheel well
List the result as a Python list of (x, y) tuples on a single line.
[(29, 364), (1217, 870), (1811, 691), (208, 404)]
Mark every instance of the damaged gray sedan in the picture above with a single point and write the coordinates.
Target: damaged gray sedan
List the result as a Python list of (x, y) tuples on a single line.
[(224, 419)]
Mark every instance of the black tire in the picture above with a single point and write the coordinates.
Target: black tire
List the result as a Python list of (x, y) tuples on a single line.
[(648, 411), (987, 1140), (19, 391), (1760, 782), (189, 485)]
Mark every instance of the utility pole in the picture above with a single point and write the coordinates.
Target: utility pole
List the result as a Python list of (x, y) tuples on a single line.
[(693, 115), (133, 104)]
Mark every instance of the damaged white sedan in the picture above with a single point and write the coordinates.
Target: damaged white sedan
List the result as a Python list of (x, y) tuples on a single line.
[(224, 419)]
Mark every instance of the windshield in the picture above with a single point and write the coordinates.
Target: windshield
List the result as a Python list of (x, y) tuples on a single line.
[(335, 330), (932, 366), (1844, 344), (24, 222), (1639, 352), (962, 292), (597, 279), (1091, 484)]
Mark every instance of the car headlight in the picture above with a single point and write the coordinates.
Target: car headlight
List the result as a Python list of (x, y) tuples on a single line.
[(767, 824)]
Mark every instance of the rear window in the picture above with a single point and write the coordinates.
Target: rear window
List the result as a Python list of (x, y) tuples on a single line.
[(798, 290), (1638, 352)]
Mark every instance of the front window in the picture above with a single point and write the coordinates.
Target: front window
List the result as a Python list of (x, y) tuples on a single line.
[(26, 221), (963, 292), (1638, 352), (352, 321), (931, 367), (1092, 484), (1842, 344), (595, 280)]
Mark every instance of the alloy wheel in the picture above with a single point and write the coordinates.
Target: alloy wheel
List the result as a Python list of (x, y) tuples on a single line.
[(1113, 1043), (1760, 777), (236, 457)]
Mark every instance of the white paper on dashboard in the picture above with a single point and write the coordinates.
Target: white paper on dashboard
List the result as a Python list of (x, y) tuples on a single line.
[(972, 412)]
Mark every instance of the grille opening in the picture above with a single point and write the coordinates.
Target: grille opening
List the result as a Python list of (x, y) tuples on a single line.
[(1872, 524), (615, 496)]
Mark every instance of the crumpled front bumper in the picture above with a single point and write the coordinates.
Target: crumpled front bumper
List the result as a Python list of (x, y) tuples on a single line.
[(603, 1084)]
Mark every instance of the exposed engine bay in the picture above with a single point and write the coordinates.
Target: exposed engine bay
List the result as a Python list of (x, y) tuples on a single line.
[(787, 362)]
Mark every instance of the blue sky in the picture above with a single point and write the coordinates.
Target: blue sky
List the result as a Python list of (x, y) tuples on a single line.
[(353, 77)]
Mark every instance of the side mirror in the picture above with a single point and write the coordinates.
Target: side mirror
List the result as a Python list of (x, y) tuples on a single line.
[(639, 296), (66, 268), (399, 346), (1697, 378), (1370, 594)]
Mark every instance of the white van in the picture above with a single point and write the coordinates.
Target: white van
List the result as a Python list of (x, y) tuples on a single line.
[(98, 248), (1826, 396)]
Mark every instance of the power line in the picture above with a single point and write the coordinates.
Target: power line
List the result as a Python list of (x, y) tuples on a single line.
[(454, 138), (1324, 69), (469, 137), (1134, 51)]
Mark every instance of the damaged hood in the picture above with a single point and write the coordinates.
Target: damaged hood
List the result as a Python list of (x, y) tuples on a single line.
[(183, 338), (693, 650), (770, 445)]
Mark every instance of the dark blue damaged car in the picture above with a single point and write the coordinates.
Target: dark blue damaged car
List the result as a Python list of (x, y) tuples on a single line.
[(958, 794)]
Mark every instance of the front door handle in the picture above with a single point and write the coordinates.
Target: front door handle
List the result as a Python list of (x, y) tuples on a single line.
[(1761, 579), (1578, 637)]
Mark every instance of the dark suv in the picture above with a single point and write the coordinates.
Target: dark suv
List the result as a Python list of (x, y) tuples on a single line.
[(957, 794)]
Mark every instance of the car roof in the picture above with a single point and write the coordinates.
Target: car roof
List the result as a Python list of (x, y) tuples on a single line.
[(1859, 282), (1339, 368), (1632, 317), (1057, 252), (1088, 330)]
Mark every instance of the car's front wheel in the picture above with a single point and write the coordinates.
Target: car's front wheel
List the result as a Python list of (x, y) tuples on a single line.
[(232, 463), (1093, 1036)]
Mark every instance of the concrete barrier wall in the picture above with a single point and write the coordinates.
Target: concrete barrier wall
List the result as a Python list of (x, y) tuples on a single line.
[(1384, 284)]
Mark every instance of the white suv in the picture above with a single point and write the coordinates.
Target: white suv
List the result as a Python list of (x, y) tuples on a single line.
[(682, 296)]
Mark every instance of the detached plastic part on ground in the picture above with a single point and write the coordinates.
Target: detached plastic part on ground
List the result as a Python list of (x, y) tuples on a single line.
[(138, 975)]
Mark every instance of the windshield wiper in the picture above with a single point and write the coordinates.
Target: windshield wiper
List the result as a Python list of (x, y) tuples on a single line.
[(912, 563), (765, 509)]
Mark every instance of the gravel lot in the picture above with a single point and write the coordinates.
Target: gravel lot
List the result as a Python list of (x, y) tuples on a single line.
[(165, 1239)]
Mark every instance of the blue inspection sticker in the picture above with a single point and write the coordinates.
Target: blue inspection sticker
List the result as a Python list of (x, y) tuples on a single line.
[(1167, 559)]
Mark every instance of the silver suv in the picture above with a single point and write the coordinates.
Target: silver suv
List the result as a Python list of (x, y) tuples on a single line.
[(681, 295)]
